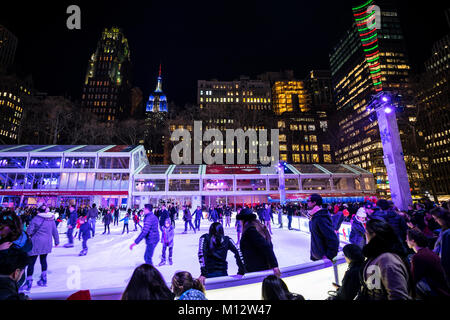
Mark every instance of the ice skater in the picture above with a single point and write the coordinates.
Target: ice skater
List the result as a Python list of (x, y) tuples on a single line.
[(198, 215), (71, 224), (238, 227), (187, 217), (167, 235), (125, 222), (136, 220), (107, 219), (228, 214), (280, 216), (85, 232), (150, 232), (267, 214)]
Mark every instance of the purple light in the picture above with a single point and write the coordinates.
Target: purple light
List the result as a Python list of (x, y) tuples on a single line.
[(385, 99), (388, 110)]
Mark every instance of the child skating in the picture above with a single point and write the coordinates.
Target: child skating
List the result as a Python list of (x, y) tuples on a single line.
[(167, 235), (125, 222)]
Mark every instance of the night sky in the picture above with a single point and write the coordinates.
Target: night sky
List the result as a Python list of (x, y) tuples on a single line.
[(197, 39)]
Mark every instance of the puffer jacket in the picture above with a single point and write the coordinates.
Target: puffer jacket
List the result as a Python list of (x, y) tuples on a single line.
[(41, 230), (150, 231), (397, 223)]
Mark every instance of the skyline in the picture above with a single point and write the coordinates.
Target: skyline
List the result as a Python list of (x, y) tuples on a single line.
[(236, 41)]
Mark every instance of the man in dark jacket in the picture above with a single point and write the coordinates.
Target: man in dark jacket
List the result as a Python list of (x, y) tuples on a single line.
[(12, 266), (71, 224), (395, 220), (163, 215), (290, 213), (116, 216), (172, 214), (255, 245), (324, 241), (92, 218), (198, 215), (150, 232)]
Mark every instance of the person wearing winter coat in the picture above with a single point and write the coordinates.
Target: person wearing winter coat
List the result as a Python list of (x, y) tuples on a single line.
[(228, 214), (163, 215), (337, 219), (107, 219), (125, 220), (71, 224), (185, 287), (386, 273), (213, 215), (42, 230), (267, 215), (116, 216), (324, 241), (150, 232), (212, 253), (12, 266), (92, 216), (85, 232), (198, 215), (442, 245), (167, 235), (256, 245), (280, 216), (426, 269), (358, 231), (136, 220), (351, 282), (172, 214), (187, 217)]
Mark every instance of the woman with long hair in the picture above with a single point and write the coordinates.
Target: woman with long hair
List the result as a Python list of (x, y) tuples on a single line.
[(386, 274), (147, 283), (273, 288), (212, 253), (185, 287)]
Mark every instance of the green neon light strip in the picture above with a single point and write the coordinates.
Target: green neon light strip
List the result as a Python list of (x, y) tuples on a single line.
[(366, 17), (367, 50), (360, 7), (376, 34), (372, 60), (375, 71), (377, 83)]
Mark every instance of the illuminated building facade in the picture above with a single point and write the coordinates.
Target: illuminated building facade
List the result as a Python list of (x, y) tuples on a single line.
[(245, 93), (157, 102), (289, 96), (8, 46), (107, 89), (434, 104), (355, 78)]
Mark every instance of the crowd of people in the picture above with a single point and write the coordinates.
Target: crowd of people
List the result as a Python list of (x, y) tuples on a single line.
[(391, 254)]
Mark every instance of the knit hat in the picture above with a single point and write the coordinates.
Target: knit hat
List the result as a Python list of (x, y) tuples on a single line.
[(383, 204), (369, 205), (80, 295), (361, 213), (246, 215), (353, 252)]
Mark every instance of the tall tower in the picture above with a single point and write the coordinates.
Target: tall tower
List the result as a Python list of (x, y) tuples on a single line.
[(8, 46), (157, 101), (107, 88)]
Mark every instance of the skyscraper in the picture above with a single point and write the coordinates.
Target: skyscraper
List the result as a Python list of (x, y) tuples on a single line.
[(157, 102), (434, 117), (359, 141), (8, 46), (107, 88)]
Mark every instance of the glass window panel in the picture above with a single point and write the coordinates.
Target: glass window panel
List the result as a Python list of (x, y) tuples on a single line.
[(3, 181), (221, 185), (124, 182), (81, 182), (120, 163), (50, 181), (116, 181), (90, 178), (104, 163), (15, 182), (316, 184), (63, 180), (28, 182), (98, 181), (45, 162), (184, 185), (291, 184), (244, 185), (107, 178), (147, 185), (13, 162), (73, 180), (38, 182)]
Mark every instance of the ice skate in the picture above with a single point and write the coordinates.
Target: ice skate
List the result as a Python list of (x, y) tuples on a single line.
[(68, 245), (163, 262), (27, 285), (170, 261), (43, 281), (83, 252)]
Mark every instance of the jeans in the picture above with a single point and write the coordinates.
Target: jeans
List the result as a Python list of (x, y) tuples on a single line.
[(125, 225), (280, 219), (84, 244), (186, 223), (106, 226), (164, 252), (116, 220), (43, 260), (70, 235), (149, 253), (137, 224), (216, 274), (92, 225), (289, 222), (197, 224)]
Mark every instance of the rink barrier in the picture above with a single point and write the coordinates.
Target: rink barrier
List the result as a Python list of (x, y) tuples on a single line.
[(210, 284)]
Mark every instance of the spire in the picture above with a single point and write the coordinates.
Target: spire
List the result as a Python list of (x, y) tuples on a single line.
[(159, 85)]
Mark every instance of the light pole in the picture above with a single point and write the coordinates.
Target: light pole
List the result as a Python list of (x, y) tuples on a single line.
[(392, 149), (281, 182)]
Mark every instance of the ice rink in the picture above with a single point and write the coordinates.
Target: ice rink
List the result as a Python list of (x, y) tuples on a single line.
[(110, 263)]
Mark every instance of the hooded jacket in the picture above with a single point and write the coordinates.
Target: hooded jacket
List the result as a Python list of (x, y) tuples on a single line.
[(41, 230), (324, 241), (214, 260)]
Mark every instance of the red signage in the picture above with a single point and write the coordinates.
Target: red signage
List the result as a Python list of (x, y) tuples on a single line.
[(232, 169), (61, 193)]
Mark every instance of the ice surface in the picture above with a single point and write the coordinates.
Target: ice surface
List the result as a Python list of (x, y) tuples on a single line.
[(110, 263)]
